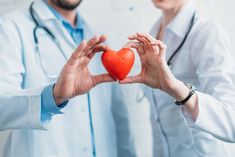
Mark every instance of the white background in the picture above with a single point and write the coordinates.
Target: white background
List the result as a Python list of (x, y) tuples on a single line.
[(119, 18), (222, 11)]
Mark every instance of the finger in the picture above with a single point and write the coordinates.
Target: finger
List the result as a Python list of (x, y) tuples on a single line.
[(152, 48), (92, 54), (146, 36), (102, 78), (161, 44), (135, 45), (140, 50), (156, 42), (132, 37), (152, 44), (77, 53), (139, 39), (141, 46), (162, 48), (91, 43), (103, 38), (132, 45), (95, 41), (145, 44), (100, 41), (99, 48), (131, 79)]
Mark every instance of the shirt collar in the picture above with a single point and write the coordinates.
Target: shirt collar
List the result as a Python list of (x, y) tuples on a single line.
[(79, 21), (44, 13), (179, 25)]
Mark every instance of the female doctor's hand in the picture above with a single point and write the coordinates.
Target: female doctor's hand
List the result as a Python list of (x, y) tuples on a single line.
[(155, 71), (75, 78)]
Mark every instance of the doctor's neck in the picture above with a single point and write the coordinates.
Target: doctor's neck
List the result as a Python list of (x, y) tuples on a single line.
[(169, 14), (69, 15)]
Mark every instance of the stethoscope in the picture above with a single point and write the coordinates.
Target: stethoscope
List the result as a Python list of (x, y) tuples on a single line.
[(140, 95), (169, 62), (36, 41), (54, 77)]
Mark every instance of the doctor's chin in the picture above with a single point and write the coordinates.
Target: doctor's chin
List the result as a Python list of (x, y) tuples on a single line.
[(108, 78)]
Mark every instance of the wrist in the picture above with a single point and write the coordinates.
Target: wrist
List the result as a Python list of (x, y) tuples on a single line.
[(59, 99), (178, 90)]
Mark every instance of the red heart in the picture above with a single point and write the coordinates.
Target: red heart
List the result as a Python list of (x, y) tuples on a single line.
[(118, 64)]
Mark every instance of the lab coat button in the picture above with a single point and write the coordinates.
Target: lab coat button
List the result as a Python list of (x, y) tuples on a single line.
[(82, 109), (131, 8), (85, 149)]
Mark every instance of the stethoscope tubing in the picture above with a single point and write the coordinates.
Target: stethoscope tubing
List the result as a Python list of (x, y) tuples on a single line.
[(37, 26), (169, 62)]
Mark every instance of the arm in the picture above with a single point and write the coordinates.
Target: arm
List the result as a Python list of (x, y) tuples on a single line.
[(29, 108), (19, 108), (212, 112), (214, 109)]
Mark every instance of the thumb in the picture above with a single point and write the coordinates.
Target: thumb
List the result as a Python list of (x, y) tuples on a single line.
[(132, 79), (102, 78)]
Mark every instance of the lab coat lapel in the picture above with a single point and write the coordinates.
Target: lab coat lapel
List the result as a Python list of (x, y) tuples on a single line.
[(46, 18)]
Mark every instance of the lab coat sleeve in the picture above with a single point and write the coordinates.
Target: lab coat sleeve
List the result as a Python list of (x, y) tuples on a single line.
[(48, 105), (19, 108), (211, 57)]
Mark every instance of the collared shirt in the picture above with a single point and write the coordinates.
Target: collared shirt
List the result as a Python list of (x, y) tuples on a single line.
[(204, 61), (176, 30), (76, 31), (49, 108)]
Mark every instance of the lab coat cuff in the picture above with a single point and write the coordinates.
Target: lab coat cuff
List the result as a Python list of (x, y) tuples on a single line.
[(34, 116), (187, 116), (201, 118), (48, 105)]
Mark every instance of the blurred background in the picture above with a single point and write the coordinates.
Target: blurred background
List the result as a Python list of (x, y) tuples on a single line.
[(127, 16), (118, 19)]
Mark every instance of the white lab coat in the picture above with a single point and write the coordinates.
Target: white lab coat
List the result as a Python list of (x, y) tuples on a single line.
[(206, 62), (21, 84)]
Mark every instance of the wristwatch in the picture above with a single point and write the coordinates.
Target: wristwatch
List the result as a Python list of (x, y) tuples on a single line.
[(192, 90)]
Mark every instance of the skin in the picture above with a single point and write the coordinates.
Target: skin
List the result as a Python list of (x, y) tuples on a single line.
[(75, 78), (155, 72), (67, 8)]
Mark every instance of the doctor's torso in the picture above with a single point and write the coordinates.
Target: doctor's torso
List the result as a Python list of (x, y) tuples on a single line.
[(68, 134), (172, 136)]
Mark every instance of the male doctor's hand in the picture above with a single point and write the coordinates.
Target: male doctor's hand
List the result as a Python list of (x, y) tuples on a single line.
[(75, 78)]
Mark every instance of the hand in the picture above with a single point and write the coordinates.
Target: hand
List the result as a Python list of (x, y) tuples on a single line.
[(155, 71), (75, 78)]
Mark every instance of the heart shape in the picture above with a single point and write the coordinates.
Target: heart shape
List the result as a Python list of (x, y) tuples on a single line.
[(118, 64)]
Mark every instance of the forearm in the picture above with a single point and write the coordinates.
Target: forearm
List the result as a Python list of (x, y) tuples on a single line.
[(179, 92), (27, 108), (20, 109)]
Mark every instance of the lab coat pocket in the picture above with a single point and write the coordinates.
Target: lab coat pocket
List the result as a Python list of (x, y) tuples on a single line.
[(186, 138), (206, 145)]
